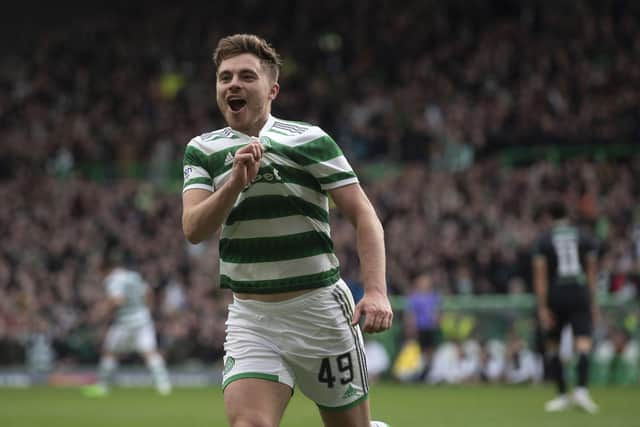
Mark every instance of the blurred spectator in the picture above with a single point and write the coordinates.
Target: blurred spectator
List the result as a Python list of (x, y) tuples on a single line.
[(618, 358), (522, 364), (456, 362), (492, 361)]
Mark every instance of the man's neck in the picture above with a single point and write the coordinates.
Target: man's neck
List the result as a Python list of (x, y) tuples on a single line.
[(254, 130)]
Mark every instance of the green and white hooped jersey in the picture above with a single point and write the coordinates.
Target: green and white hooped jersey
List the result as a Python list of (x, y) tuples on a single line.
[(277, 236), (130, 286)]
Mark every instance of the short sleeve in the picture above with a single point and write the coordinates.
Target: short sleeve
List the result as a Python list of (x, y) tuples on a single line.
[(326, 162), (195, 169)]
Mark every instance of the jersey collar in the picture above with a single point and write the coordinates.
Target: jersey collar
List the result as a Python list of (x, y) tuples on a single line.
[(267, 125)]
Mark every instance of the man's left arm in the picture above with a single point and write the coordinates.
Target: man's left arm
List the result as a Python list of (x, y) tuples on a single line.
[(374, 305), (541, 289)]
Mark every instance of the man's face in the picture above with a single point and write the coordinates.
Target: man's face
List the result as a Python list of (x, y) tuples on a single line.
[(244, 91)]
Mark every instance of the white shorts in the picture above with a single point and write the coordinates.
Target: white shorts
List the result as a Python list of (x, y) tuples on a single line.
[(306, 340), (125, 338)]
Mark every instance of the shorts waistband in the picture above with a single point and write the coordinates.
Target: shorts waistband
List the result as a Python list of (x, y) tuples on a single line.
[(295, 303)]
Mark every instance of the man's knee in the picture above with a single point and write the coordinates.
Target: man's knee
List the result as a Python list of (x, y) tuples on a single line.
[(250, 420)]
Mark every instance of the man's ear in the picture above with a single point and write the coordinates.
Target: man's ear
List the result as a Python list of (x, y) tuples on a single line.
[(273, 93)]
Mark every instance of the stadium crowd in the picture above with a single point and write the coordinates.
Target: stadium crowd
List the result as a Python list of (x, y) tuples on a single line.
[(439, 87)]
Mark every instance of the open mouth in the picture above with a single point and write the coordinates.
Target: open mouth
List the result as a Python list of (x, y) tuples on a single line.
[(236, 104)]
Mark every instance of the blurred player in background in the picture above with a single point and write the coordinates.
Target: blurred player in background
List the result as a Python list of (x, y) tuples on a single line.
[(564, 275), (131, 330), (266, 182), (422, 318)]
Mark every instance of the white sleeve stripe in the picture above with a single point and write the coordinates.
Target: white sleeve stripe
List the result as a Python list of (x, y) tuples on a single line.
[(338, 184), (198, 186)]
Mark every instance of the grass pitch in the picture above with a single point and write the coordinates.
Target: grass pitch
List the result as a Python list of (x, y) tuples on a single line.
[(398, 405)]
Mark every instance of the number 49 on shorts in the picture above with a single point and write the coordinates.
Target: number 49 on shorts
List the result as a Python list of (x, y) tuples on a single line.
[(343, 367)]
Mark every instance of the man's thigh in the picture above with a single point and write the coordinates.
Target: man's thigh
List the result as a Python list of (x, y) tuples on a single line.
[(329, 364), (145, 339), (118, 339), (357, 416), (582, 323), (253, 401), (335, 383)]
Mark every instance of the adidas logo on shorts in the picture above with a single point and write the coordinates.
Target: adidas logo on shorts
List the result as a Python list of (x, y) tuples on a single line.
[(351, 391)]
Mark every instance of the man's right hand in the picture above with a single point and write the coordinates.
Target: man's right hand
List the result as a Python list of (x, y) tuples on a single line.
[(246, 164)]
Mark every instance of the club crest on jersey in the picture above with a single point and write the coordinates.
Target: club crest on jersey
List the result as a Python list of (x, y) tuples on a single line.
[(266, 142)]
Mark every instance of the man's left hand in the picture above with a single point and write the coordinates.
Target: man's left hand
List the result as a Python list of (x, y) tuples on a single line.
[(376, 309)]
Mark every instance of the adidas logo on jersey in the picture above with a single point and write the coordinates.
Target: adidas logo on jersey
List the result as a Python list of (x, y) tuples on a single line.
[(351, 391), (229, 159)]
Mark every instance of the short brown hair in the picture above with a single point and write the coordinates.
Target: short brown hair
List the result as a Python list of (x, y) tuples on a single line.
[(238, 44)]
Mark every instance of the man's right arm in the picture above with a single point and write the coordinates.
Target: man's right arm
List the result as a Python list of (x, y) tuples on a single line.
[(104, 312), (204, 212)]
